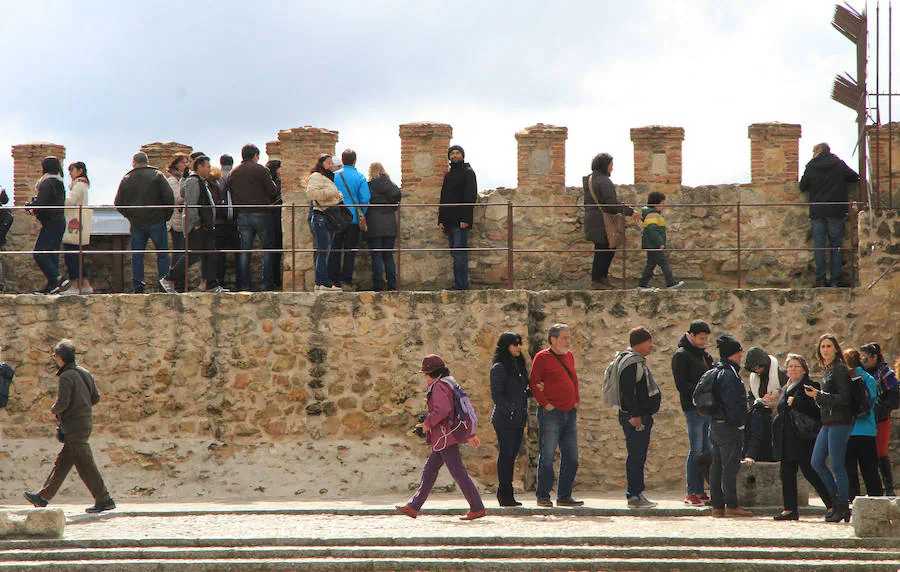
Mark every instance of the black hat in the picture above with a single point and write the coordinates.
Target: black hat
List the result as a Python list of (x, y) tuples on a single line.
[(728, 346), (456, 148)]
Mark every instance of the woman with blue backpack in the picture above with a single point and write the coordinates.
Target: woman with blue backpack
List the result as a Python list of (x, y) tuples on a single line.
[(450, 423)]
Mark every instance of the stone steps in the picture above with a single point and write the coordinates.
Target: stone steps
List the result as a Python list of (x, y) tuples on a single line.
[(494, 553)]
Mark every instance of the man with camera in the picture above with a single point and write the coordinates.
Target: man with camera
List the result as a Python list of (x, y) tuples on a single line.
[(73, 408)]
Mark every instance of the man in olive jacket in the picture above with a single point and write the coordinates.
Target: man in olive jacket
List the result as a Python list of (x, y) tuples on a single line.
[(76, 397), (146, 186)]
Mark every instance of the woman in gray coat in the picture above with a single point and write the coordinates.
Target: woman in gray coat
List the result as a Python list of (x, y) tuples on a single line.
[(381, 219), (599, 190)]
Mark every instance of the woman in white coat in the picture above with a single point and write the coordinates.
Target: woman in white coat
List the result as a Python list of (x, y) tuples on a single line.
[(322, 193), (78, 230)]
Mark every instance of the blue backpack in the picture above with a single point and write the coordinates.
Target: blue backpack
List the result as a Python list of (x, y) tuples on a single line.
[(464, 417)]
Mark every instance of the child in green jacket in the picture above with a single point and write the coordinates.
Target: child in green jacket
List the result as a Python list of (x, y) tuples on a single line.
[(653, 240)]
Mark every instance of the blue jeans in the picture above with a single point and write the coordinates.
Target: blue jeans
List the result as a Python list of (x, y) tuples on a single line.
[(50, 238), (383, 263), (832, 231), (322, 240), (557, 428), (251, 225), (698, 436), (342, 261), (139, 237), (832, 444), (637, 443), (76, 270), (459, 238)]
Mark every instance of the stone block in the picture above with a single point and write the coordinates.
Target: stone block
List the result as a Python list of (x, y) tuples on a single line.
[(760, 485), (873, 516), (41, 523)]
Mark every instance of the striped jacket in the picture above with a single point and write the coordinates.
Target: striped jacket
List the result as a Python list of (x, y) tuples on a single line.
[(654, 233)]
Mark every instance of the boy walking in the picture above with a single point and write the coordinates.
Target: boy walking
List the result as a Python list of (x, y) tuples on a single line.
[(653, 240)]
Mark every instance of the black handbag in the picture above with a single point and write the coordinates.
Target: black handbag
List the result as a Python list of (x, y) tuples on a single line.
[(805, 426), (337, 217)]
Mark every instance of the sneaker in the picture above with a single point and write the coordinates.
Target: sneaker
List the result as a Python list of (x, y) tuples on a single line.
[(703, 496), (693, 500), (646, 289), (142, 289), (88, 290), (640, 501), (544, 502), (36, 500), (569, 501), (218, 290), (72, 291), (106, 505), (407, 510), (678, 284), (168, 286), (62, 284)]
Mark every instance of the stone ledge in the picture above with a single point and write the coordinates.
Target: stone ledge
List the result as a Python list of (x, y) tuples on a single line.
[(876, 517), (41, 523)]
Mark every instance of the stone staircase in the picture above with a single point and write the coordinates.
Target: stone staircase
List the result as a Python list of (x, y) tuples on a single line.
[(434, 553)]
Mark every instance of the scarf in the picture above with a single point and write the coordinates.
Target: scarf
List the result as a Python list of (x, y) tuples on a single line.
[(634, 357), (46, 176), (772, 383), (75, 180)]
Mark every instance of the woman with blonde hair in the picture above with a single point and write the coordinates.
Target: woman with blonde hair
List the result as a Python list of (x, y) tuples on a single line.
[(322, 193), (382, 227)]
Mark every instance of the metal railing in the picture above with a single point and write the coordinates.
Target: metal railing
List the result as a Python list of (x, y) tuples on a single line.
[(739, 249)]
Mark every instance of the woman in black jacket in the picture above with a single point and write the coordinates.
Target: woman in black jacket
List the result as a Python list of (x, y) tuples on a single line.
[(794, 434), (382, 226), (510, 392), (51, 192), (599, 190), (837, 423)]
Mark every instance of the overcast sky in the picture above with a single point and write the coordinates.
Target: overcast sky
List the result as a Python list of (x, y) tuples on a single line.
[(105, 77)]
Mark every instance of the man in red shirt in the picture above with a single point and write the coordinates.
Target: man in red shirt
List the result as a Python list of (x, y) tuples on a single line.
[(554, 384)]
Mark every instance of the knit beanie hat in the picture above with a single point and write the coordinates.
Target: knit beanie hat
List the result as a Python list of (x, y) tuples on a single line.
[(728, 346), (638, 336), (456, 148), (432, 363), (755, 357)]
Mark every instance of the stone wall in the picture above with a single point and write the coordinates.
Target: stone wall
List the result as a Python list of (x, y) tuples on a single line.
[(280, 394)]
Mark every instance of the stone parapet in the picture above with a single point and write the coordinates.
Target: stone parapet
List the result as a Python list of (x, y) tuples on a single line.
[(160, 154), (657, 155), (27, 170), (38, 523), (884, 155), (774, 153)]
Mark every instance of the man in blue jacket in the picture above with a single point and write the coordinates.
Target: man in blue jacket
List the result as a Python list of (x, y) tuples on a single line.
[(726, 432), (353, 185)]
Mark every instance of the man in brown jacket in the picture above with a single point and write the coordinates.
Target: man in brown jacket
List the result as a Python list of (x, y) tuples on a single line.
[(76, 397), (252, 184)]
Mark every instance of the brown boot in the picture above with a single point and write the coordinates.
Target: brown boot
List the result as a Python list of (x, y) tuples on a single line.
[(737, 511), (602, 284), (718, 513)]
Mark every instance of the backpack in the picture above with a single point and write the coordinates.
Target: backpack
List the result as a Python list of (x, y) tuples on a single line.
[(610, 391), (464, 416), (860, 400), (705, 398), (6, 378)]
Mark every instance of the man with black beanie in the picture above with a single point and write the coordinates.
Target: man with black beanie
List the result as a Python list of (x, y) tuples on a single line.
[(726, 432), (459, 186)]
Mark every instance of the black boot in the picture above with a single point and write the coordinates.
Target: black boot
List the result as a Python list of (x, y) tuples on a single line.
[(841, 511), (887, 475), (505, 496)]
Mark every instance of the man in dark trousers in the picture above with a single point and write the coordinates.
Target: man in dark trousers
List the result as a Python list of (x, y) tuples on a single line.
[(460, 186), (726, 432), (689, 363), (554, 384), (639, 399), (146, 186), (251, 184), (825, 179), (76, 398)]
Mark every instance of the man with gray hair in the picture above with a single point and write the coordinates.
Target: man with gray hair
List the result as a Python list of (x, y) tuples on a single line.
[(825, 179), (554, 384), (141, 187), (76, 398)]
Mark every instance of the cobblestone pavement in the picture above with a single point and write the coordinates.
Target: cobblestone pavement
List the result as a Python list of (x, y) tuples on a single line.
[(231, 521)]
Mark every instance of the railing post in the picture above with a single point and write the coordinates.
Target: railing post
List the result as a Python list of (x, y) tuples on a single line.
[(80, 249), (186, 232), (624, 256), (510, 266), (397, 245), (739, 243), (293, 247)]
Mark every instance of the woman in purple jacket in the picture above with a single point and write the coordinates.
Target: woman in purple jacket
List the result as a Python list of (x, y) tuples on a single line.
[(444, 440)]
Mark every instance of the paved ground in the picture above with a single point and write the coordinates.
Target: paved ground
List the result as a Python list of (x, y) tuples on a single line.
[(145, 520)]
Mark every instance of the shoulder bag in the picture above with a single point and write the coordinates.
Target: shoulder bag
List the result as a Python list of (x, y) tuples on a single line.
[(614, 223), (361, 216)]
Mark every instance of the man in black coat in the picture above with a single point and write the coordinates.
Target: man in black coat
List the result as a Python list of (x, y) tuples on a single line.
[(689, 363), (726, 432), (459, 186), (825, 179)]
